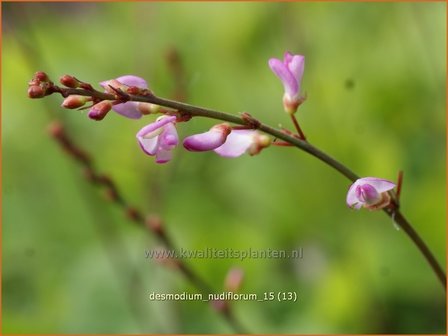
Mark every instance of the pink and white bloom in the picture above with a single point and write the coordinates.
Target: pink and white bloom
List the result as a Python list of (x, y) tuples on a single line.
[(290, 72), (212, 139), (370, 193), (129, 109), (159, 138), (239, 142)]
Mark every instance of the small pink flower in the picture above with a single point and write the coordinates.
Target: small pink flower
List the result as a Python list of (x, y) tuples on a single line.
[(212, 139), (239, 142), (128, 109), (370, 193), (159, 138), (290, 72)]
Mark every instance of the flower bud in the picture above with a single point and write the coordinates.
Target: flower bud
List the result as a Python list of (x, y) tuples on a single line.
[(234, 279), (99, 111), (36, 91), (210, 140), (148, 108), (220, 305), (290, 72), (74, 101), (113, 85), (41, 76), (260, 141), (56, 129), (69, 81), (155, 224)]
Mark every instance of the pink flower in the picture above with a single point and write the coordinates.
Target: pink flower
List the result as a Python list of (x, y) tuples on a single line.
[(128, 109), (159, 138), (212, 139), (370, 193), (239, 142), (290, 72)]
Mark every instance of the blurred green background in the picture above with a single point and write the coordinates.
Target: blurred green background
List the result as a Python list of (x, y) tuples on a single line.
[(375, 78)]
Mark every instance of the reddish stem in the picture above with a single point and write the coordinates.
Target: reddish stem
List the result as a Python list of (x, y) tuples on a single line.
[(281, 144), (297, 126)]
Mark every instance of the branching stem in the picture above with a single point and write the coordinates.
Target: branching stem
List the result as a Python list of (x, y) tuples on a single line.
[(247, 120)]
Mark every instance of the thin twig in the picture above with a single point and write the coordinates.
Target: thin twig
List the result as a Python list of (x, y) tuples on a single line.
[(297, 127)]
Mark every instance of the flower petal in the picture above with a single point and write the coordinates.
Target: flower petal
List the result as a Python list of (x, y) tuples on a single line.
[(128, 109), (380, 185), (156, 125), (289, 82), (297, 65), (169, 138), (287, 57), (352, 198), (206, 141), (367, 193), (237, 143), (163, 156), (131, 80), (149, 145)]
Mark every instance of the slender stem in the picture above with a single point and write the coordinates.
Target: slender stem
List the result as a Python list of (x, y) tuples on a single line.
[(297, 126), (399, 184), (406, 226), (191, 110)]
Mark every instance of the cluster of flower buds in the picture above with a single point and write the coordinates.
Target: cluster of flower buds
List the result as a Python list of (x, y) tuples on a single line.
[(124, 84), (73, 101), (159, 138), (39, 86)]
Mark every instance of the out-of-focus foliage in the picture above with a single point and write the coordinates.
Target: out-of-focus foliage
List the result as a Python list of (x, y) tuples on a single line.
[(375, 78)]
